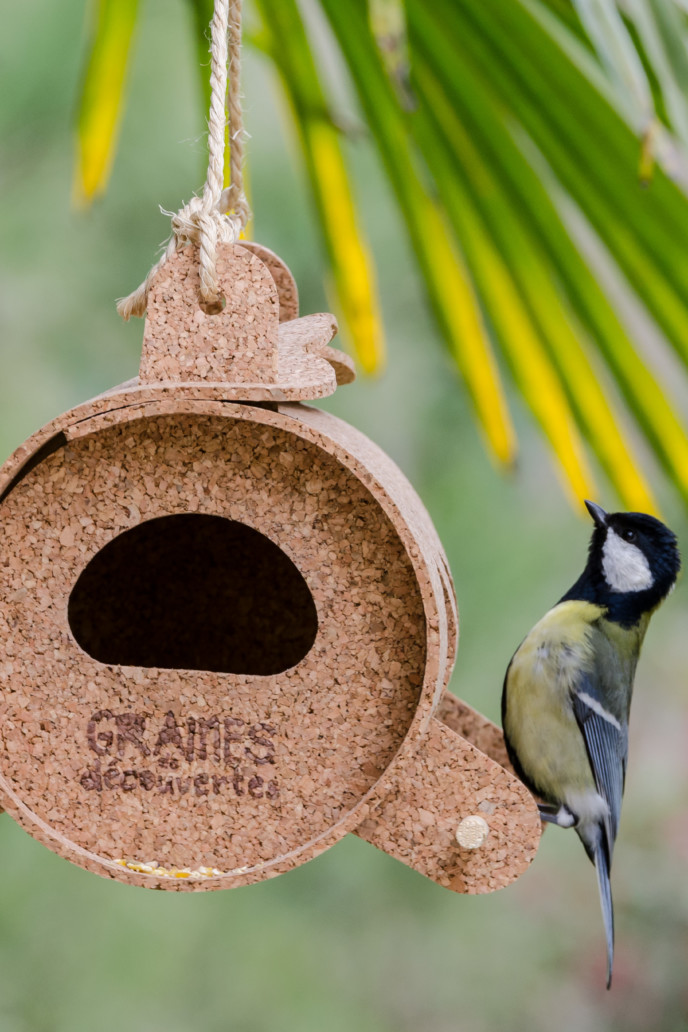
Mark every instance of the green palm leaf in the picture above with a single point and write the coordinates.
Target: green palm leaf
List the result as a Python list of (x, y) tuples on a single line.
[(450, 290), (503, 127), (534, 323), (612, 39)]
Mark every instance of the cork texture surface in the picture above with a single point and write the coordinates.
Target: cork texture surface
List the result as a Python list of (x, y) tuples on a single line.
[(418, 826), (477, 729), (228, 630), (255, 344), (287, 290), (444, 781), (183, 342), (194, 769)]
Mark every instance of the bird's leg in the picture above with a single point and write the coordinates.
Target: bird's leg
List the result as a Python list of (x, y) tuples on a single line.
[(559, 815)]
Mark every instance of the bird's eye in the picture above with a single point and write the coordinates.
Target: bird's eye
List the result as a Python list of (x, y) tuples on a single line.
[(628, 535)]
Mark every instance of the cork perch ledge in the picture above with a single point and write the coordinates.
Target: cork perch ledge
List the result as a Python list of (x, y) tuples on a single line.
[(228, 624)]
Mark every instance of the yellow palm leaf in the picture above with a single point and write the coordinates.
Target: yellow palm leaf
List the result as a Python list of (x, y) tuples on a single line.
[(457, 309), (100, 102), (352, 270)]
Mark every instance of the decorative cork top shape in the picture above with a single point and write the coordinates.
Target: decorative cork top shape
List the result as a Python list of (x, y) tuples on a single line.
[(246, 342), (228, 624)]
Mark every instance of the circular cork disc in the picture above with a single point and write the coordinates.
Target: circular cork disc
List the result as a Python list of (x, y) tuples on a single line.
[(214, 644)]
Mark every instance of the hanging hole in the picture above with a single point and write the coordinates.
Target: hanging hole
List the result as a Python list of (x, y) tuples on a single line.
[(213, 307), (194, 592)]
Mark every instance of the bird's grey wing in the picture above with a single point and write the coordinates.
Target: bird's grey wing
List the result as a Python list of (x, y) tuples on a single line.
[(606, 740)]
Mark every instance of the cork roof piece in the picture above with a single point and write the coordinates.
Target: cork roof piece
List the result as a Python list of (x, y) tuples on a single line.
[(287, 290), (246, 343), (228, 628)]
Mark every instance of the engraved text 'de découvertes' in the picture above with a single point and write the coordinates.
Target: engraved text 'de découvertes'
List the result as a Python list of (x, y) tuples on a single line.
[(130, 755)]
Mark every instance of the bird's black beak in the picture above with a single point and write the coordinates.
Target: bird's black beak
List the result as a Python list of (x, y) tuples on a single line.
[(598, 514)]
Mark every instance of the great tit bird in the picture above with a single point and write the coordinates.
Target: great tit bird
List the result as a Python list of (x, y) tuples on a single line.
[(567, 690)]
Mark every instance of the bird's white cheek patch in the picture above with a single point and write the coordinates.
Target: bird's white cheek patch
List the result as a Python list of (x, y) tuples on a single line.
[(624, 565)]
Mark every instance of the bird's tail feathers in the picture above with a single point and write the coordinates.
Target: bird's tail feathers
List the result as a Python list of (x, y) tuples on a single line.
[(595, 841), (601, 861)]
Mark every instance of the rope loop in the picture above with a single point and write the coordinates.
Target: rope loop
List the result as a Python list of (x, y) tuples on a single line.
[(217, 216)]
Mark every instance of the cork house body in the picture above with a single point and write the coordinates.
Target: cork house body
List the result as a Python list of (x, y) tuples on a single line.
[(228, 624)]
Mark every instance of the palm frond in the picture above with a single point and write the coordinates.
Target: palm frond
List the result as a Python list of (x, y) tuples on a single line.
[(617, 52), (534, 323), (662, 27), (448, 285), (503, 129), (593, 159), (388, 24), (351, 267), (101, 95)]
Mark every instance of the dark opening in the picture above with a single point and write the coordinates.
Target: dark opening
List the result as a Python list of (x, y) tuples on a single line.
[(194, 592)]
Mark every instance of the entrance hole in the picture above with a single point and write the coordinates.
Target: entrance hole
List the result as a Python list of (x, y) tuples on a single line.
[(194, 592)]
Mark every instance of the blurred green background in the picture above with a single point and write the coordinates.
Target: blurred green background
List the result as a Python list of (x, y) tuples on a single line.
[(352, 940)]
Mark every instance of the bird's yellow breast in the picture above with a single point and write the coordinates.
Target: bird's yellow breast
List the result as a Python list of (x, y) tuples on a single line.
[(538, 717)]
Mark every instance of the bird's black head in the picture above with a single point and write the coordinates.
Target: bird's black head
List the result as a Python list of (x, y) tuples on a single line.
[(633, 562)]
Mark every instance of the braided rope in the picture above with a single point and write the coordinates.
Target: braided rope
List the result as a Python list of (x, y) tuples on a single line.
[(217, 216)]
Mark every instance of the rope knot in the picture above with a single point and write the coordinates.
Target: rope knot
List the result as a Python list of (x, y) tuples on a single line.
[(204, 220), (193, 221), (186, 222)]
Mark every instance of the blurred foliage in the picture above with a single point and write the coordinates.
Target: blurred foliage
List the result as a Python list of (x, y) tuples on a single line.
[(100, 107), (517, 139), (352, 940), (284, 39)]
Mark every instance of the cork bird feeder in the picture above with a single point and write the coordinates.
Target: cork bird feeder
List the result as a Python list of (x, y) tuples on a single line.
[(228, 624)]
